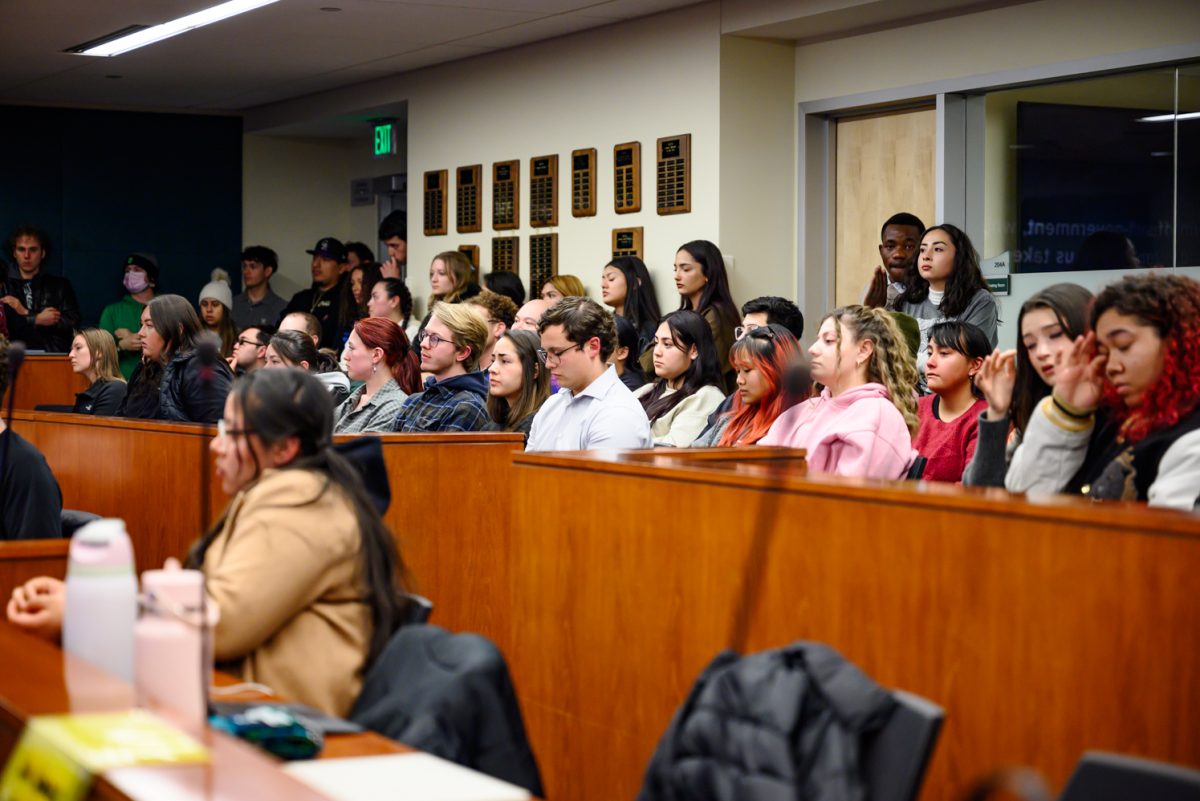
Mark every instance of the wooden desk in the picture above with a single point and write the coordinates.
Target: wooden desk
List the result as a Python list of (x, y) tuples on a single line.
[(33, 681), (1043, 628), (47, 378)]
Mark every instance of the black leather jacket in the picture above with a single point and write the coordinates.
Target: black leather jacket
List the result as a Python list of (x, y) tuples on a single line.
[(46, 291)]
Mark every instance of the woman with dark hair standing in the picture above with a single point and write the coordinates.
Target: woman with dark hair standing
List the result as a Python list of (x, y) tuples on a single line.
[(518, 382), (379, 356), (944, 283), (703, 288), (1123, 420), (296, 349), (688, 387), (305, 573), (625, 286), (1015, 381), (171, 383), (216, 311)]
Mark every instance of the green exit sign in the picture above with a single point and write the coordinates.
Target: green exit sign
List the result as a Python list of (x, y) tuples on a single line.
[(385, 140)]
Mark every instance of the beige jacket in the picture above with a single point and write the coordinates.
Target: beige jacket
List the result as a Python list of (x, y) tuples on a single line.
[(285, 572)]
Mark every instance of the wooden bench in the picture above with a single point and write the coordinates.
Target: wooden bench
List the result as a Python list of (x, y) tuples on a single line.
[(1043, 628), (21, 560)]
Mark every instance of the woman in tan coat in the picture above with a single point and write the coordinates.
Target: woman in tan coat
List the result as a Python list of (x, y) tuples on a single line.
[(304, 571)]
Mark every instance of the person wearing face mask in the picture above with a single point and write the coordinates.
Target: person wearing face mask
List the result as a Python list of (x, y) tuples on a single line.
[(123, 318)]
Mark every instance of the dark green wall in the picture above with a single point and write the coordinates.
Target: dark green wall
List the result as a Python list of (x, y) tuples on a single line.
[(106, 183)]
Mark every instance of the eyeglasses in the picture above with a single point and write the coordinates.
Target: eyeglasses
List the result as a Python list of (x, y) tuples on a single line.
[(250, 343), (433, 339), (753, 330), (556, 355), (223, 431)]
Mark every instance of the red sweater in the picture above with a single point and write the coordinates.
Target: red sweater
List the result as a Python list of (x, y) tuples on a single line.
[(947, 447)]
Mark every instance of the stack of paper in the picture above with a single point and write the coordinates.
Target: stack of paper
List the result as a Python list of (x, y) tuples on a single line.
[(401, 777)]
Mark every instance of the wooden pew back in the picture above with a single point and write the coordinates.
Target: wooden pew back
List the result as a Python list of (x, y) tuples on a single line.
[(1044, 629), (47, 379)]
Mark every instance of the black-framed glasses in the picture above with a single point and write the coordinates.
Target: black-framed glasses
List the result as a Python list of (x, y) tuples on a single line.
[(433, 339), (546, 355), (248, 342)]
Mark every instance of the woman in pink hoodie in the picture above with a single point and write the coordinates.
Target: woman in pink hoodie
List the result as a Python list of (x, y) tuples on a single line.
[(863, 421)]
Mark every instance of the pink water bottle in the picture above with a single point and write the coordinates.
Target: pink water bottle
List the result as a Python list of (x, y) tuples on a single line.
[(172, 643)]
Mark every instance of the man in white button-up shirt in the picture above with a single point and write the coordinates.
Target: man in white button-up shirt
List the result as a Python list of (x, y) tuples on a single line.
[(593, 409)]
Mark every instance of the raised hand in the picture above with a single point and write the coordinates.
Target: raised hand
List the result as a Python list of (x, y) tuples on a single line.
[(877, 292), (1078, 374), (995, 379), (390, 269)]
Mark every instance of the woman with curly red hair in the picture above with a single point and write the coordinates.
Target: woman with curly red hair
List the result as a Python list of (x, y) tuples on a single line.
[(763, 360), (1123, 421)]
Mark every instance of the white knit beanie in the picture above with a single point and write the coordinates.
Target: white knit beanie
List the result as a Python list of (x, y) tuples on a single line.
[(218, 288)]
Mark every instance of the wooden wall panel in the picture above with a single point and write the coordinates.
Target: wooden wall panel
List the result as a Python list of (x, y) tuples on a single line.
[(46, 379), (885, 164)]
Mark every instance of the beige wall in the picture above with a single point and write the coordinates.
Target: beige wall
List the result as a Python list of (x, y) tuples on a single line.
[(295, 191), (1025, 35), (758, 157), (636, 81)]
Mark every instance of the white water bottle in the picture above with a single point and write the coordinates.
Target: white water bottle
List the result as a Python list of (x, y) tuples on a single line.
[(102, 598)]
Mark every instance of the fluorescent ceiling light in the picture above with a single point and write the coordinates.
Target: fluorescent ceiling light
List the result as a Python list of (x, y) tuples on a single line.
[(1190, 115), (156, 33)]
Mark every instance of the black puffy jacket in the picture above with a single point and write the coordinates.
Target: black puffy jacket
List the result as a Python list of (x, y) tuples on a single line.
[(781, 724), (449, 695), (185, 396), (47, 291)]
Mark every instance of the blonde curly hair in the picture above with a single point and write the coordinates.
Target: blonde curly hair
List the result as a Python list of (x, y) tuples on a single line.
[(892, 362)]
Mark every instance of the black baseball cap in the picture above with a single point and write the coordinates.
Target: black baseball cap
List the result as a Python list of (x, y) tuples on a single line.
[(329, 248)]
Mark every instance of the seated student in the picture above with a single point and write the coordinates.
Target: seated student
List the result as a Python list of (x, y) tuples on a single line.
[(1015, 381), (170, 383), (624, 357), (593, 409), (756, 313), (506, 283), (498, 314), (766, 358), (518, 383), (250, 350), (41, 308), (304, 571), (94, 356), (302, 321), (898, 241), (455, 394), (863, 421), (686, 390), (530, 314), (562, 286), (1123, 420), (950, 416), (294, 349), (358, 253), (362, 277), (945, 283), (30, 500), (216, 312), (450, 275), (377, 355)]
